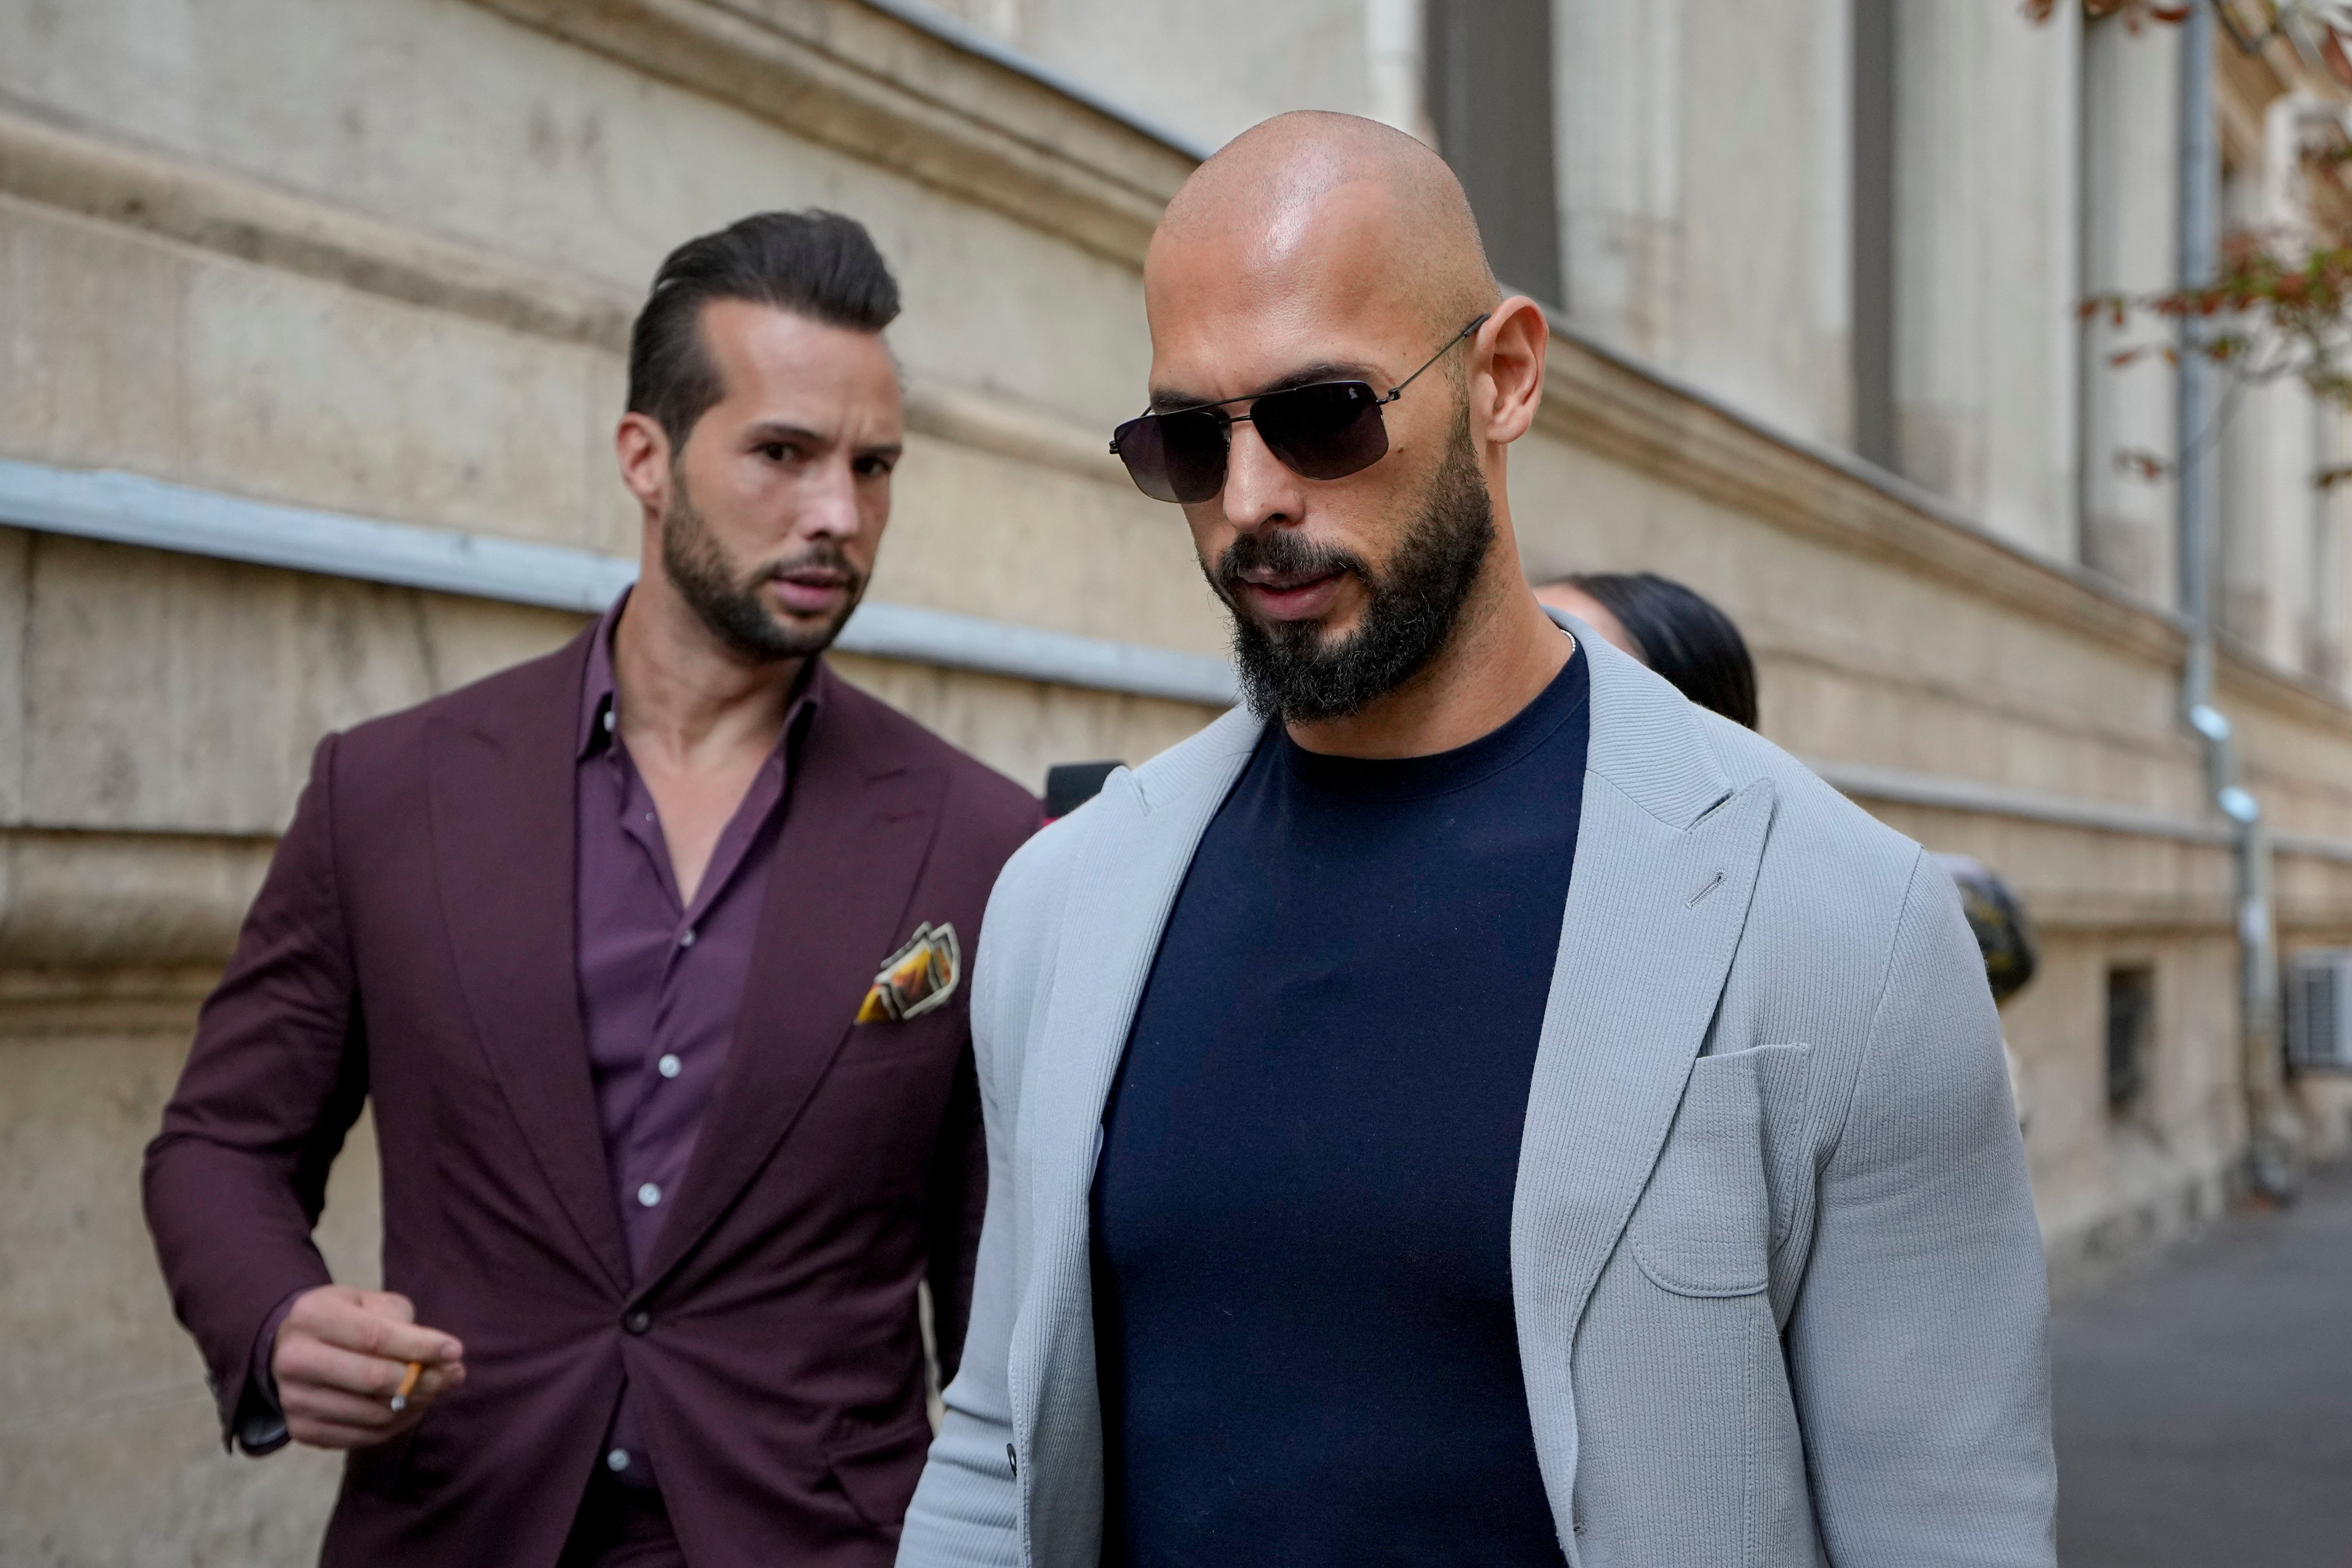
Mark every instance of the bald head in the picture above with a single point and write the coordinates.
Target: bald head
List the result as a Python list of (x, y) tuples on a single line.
[(1324, 204)]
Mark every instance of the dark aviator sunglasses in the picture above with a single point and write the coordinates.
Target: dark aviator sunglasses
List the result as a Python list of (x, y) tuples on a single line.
[(1327, 430)]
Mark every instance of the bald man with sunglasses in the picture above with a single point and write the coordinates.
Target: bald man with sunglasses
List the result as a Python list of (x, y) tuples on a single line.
[(1468, 1105)]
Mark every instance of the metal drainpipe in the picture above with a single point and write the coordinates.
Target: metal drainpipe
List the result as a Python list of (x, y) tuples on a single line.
[(2270, 1135)]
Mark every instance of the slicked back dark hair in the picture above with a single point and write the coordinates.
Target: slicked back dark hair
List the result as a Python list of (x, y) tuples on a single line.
[(815, 264), (1683, 637)]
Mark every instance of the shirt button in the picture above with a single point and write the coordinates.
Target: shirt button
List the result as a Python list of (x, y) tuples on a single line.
[(687, 939), (670, 1066), (649, 1194), (617, 1461), (637, 1323)]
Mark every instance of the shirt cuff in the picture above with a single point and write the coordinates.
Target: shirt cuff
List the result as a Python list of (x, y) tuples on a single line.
[(260, 1426)]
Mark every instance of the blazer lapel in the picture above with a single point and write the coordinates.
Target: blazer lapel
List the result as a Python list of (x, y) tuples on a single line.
[(1666, 856), (857, 830), (503, 802), (1141, 831)]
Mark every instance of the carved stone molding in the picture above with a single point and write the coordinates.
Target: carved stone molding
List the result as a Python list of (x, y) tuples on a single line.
[(231, 214), (78, 901), (879, 87)]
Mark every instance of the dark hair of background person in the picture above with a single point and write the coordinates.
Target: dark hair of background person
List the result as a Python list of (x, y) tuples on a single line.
[(815, 264), (1683, 638)]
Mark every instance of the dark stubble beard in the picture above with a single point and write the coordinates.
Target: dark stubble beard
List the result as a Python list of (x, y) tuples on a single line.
[(1290, 671), (731, 604)]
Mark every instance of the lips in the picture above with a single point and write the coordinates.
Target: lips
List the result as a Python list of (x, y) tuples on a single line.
[(1288, 596), (811, 590)]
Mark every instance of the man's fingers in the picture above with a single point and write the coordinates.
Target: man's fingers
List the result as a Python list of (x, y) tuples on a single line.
[(389, 1304), (358, 1345), (316, 1363), (313, 1364), (318, 1403), (371, 1333), (319, 1305)]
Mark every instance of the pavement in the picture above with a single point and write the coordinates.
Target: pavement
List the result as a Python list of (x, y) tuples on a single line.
[(2204, 1404)]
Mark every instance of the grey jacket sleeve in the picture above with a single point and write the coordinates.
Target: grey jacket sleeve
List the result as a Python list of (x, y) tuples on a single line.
[(1918, 1342), (966, 1509)]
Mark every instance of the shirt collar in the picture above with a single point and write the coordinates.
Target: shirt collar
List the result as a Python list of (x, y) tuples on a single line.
[(599, 688)]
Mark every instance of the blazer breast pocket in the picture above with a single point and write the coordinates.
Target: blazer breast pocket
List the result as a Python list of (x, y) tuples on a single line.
[(1718, 1199), (910, 1042)]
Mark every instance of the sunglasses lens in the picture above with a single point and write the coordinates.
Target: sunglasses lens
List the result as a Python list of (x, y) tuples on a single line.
[(1175, 457), (1323, 432)]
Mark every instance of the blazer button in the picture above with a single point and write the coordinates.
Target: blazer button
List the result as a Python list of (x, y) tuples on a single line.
[(637, 1323)]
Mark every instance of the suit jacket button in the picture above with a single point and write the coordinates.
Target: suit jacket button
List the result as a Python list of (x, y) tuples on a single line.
[(637, 1323)]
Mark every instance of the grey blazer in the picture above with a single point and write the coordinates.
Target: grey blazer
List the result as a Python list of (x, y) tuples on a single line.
[(1779, 1285)]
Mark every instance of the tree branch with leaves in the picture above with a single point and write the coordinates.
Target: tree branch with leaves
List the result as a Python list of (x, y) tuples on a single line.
[(2279, 305)]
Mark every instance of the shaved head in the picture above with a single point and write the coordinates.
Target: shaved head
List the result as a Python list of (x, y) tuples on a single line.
[(1319, 248), (1304, 188)]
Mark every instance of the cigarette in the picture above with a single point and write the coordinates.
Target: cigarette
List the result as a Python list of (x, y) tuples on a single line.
[(408, 1387)]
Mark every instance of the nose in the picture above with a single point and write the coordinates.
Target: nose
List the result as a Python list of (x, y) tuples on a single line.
[(829, 507), (1259, 490)]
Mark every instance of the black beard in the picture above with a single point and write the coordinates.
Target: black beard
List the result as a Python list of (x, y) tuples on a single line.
[(1287, 669), (732, 607)]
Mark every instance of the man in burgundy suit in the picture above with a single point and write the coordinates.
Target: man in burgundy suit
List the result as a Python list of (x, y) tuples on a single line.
[(648, 955)]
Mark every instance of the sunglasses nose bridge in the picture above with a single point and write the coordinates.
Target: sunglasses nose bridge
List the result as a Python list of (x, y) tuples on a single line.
[(1258, 485)]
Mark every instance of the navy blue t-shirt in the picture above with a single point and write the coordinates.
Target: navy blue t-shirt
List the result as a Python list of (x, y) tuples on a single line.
[(1302, 1213)]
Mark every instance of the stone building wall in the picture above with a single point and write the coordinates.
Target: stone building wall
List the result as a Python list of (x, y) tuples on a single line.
[(378, 258)]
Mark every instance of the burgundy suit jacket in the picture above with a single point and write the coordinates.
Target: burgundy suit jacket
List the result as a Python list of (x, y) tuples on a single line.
[(412, 946)]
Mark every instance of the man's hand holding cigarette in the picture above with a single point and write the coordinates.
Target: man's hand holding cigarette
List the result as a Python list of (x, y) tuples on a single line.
[(354, 1368)]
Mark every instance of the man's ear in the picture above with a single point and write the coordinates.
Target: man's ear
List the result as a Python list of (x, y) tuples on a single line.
[(643, 446), (1507, 374)]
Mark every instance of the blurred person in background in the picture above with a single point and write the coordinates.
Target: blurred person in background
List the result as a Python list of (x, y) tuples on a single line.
[(649, 957), (1668, 627), (1461, 1107), (2005, 935)]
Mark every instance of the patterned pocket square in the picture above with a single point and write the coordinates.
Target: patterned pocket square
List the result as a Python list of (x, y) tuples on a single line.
[(917, 978)]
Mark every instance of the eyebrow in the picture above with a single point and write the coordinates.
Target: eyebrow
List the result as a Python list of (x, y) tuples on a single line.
[(760, 435), (1165, 399)]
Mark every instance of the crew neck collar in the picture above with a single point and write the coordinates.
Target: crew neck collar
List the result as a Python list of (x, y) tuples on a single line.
[(1444, 773)]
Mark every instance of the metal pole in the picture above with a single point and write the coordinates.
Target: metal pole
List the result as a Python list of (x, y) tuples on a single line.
[(2270, 1142), (2199, 245)]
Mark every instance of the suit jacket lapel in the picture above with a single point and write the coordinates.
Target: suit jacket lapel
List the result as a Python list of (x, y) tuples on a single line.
[(1142, 831), (503, 802), (1666, 856), (857, 830)]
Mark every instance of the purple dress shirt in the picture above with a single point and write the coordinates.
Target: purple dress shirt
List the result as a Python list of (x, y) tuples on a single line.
[(660, 983), (660, 979)]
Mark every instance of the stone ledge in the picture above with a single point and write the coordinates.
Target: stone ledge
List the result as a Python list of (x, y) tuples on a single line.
[(74, 901), (42, 1004), (877, 86), (234, 216)]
